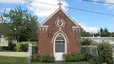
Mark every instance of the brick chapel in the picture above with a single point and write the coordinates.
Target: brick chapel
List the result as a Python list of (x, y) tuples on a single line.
[(59, 35)]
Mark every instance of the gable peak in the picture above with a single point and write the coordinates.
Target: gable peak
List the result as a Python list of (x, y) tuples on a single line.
[(58, 10)]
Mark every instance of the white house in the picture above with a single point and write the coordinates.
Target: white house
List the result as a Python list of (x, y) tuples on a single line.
[(3, 41), (100, 39)]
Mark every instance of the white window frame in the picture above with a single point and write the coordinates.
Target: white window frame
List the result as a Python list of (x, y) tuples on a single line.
[(64, 43)]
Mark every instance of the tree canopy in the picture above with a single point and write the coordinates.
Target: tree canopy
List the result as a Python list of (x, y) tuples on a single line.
[(103, 32), (23, 26), (85, 34)]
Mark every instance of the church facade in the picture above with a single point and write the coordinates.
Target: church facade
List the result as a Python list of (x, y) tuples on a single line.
[(59, 34)]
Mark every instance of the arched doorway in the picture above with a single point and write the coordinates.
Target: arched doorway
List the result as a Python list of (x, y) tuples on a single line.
[(59, 47)]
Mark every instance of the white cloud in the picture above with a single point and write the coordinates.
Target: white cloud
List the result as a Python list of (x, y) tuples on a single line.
[(6, 9), (44, 10), (109, 6), (2, 10), (109, 1), (89, 29), (12, 1)]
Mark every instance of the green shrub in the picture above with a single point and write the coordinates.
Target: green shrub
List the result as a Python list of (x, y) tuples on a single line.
[(47, 58), (95, 60), (42, 58), (105, 52), (89, 51), (23, 46), (35, 49), (36, 58), (5, 48), (0, 48), (87, 57), (74, 57), (11, 46)]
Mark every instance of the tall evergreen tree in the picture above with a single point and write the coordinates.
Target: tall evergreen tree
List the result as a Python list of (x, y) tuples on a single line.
[(104, 32), (101, 32)]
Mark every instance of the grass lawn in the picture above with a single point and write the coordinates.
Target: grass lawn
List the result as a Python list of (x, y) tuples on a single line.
[(18, 60), (61, 63), (13, 60)]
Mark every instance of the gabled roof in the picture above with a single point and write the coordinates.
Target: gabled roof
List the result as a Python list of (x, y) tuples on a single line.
[(64, 13)]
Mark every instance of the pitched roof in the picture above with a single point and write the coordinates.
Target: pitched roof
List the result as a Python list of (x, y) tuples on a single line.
[(64, 13)]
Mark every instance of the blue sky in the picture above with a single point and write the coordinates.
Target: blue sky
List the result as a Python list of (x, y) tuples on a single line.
[(89, 21)]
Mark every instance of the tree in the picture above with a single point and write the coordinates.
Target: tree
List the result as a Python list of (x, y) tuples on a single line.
[(112, 34), (97, 34), (86, 41), (104, 32), (101, 32), (23, 26), (4, 29), (85, 34), (105, 52)]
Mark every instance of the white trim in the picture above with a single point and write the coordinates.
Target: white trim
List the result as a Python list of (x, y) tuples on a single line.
[(45, 26), (46, 29), (57, 21), (53, 41), (74, 27), (50, 16), (40, 29), (59, 54), (65, 43), (62, 33), (65, 14), (43, 29)]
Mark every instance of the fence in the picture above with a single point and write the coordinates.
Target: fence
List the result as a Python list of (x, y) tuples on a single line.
[(90, 50), (14, 54), (27, 55)]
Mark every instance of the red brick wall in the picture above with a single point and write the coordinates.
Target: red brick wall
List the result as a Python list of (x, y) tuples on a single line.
[(45, 44)]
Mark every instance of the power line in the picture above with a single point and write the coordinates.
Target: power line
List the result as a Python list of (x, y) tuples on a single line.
[(90, 11), (77, 8), (42, 3), (98, 2)]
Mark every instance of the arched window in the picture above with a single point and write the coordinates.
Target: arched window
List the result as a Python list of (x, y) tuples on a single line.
[(59, 43)]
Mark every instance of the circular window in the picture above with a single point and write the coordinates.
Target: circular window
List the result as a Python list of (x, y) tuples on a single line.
[(60, 23)]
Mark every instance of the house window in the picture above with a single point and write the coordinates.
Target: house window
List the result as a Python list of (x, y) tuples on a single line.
[(59, 44)]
